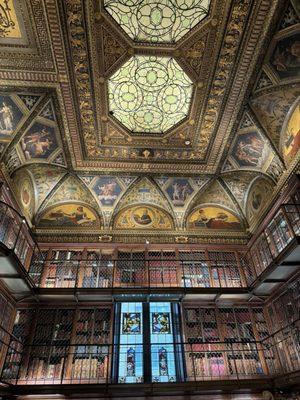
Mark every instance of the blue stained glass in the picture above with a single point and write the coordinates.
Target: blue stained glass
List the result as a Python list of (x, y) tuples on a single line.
[(131, 343), (162, 347)]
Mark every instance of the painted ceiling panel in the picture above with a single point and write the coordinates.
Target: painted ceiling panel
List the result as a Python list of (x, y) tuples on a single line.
[(45, 178), (145, 192), (251, 150), (215, 193), (149, 116), (69, 190), (271, 108), (238, 183)]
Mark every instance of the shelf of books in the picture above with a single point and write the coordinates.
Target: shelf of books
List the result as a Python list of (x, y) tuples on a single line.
[(7, 313), (97, 271), (22, 329), (283, 317), (61, 268), (107, 268), (61, 345), (221, 343), (88, 360)]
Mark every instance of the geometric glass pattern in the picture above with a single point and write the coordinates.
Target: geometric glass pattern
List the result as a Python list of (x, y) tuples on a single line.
[(150, 94), (163, 21)]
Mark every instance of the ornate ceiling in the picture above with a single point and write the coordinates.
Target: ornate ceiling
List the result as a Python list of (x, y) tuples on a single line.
[(125, 120)]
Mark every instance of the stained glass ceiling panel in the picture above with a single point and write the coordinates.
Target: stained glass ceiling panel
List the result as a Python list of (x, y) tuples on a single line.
[(150, 94), (164, 21)]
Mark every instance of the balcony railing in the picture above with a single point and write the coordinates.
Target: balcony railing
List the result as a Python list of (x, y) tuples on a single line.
[(204, 361), (15, 235), (137, 274), (281, 231)]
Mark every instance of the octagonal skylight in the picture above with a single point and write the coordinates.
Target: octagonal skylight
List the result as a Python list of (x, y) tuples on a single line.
[(150, 94), (164, 21)]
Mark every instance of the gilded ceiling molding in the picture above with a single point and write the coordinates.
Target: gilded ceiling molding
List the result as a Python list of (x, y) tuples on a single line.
[(261, 18)]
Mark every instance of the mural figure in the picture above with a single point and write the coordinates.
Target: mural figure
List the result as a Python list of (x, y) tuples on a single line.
[(7, 117), (286, 57), (213, 218), (248, 150), (161, 323), (26, 193), (292, 136), (144, 218), (39, 142), (131, 323), (107, 190), (68, 215), (257, 198), (10, 116), (178, 191)]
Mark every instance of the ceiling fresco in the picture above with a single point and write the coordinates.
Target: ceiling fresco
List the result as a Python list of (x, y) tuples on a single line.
[(171, 121), (211, 217)]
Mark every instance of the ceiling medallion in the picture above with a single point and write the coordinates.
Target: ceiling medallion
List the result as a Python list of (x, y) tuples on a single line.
[(163, 21), (150, 94)]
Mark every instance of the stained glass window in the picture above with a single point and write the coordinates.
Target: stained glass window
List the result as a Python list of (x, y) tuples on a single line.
[(162, 343), (150, 94), (146, 343), (163, 21), (131, 343)]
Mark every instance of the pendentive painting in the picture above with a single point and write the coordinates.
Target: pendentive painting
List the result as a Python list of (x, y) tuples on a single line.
[(39, 141), (291, 143), (211, 217), (69, 215), (107, 190), (179, 190), (161, 322), (131, 323), (286, 57), (249, 150), (10, 116), (259, 193), (143, 217)]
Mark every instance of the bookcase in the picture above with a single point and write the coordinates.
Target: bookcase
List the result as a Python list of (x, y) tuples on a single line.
[(7, 313), (61, 268), (22, 329), (97, 270), (221, 341), (89, 355), (196, 271), (63, 345), (163, 268), (136, 267), (50, 343)]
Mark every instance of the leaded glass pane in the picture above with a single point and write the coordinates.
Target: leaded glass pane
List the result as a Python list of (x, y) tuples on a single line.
[(131, 343), (162, 347), (150, 94), (163, 21)]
